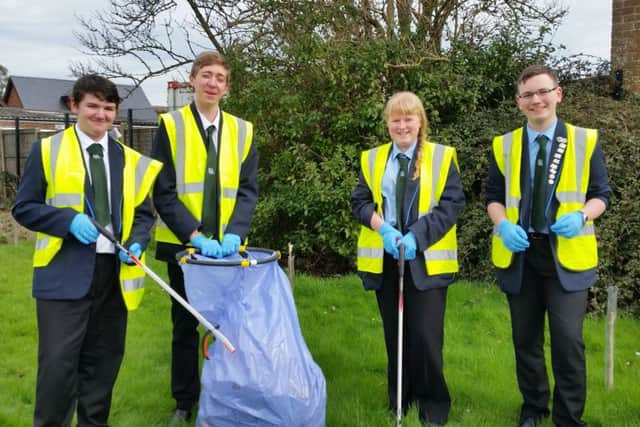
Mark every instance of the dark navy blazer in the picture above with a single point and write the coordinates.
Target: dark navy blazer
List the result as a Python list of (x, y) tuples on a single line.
[(510, 279), (428, 229), (176, 215), (69, 274)]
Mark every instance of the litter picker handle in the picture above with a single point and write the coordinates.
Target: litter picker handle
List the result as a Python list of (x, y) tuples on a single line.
[(204, 322), (400, 330)]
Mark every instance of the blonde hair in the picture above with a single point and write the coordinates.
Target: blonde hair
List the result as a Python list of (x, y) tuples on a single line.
[(409, 103)]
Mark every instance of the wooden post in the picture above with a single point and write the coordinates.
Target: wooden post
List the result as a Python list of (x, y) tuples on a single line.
[(3, 169), (291, 265), (16, 231), (612, 308)]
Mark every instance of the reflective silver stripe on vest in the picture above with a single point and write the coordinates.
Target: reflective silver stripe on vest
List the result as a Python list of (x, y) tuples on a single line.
[(42, 243), (581, 154), (229, 193), (441, 255), (507, 142), (181, 188), (160, 222), (580, 144), (242, 137), (570, 196), (141, 171), (370, 253), (64, 199), (56, 143), (192, 187), (587, 230), (436, 166), (372, 164), (133, 284)]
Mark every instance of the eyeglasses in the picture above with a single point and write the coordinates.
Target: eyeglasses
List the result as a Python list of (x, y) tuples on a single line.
[(540, 92)]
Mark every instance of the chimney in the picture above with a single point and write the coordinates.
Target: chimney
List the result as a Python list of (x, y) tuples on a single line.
[(625, 43)]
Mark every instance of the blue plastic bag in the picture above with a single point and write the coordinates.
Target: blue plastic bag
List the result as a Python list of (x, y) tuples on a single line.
[(271, 379)]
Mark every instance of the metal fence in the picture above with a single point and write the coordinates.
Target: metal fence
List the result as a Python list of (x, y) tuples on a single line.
[(16, 142)]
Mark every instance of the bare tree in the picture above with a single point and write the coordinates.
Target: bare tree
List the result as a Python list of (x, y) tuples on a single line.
[(4, 77), (140, 39)]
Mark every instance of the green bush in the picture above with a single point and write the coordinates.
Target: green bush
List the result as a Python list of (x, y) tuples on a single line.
[(319, 104), (618, 230)]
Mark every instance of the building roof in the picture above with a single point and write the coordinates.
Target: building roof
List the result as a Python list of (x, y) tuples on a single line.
[(43, 94), (10, 113)]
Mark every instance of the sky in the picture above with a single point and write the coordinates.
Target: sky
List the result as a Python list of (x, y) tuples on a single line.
[(38, 40)]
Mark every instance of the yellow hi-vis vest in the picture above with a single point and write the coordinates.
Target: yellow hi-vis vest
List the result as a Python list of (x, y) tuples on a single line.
[(189, 156), (64, 171), (580, 252), (442, 256)]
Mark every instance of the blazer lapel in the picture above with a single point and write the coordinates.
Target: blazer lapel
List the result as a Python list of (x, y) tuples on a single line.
[(116, 166), (525, 182), (410, 203)]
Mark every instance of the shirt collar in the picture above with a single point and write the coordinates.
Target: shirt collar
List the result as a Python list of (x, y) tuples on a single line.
[(86, 140), (409, 153), (549, 132), (206, 123)]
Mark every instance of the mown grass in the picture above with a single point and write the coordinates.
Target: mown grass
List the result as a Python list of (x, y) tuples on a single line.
[(344, 333)]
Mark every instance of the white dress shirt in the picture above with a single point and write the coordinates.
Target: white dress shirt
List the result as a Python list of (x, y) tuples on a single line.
[(103, 245)]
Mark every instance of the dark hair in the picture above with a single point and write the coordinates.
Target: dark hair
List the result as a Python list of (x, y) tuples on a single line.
[(536, 70), (210, 57), (97, 86)]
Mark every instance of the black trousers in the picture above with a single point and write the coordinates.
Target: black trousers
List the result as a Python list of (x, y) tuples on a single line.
[(80, 349), (185, 379), (423, 379), (542, 293)]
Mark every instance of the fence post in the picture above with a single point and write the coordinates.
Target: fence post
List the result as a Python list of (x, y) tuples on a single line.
[(612, 308), (291, 265), (130, 127), (3, 168), (17, 146)]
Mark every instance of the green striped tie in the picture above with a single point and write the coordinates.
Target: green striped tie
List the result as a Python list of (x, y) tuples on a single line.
[(99, 184), (401, 183), (210, 192), (538, 220)]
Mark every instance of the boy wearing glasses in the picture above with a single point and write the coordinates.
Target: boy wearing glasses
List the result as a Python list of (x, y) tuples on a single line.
[(547, 183)]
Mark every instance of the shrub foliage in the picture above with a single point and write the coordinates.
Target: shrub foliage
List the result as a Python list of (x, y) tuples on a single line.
[(315, 112)]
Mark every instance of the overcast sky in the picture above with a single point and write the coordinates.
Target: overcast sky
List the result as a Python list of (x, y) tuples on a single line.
[(36, 37)]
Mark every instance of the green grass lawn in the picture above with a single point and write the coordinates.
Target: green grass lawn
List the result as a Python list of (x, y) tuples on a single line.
[(344, 333)]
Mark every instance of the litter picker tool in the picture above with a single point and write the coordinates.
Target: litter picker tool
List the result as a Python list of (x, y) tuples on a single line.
[(204, 322), (400, 327)]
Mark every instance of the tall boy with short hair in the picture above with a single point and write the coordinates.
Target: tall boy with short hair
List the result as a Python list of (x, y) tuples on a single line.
[(205, 197)]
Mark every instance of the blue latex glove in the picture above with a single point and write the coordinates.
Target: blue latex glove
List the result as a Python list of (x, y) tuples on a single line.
[(391, 239), (135, 249), (230, 244), (513, 236), (83, 229), (208, 247), (410, 246), (568, 225)]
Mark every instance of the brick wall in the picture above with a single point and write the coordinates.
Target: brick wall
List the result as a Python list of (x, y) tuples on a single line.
[(14, 100), (625, 42)]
